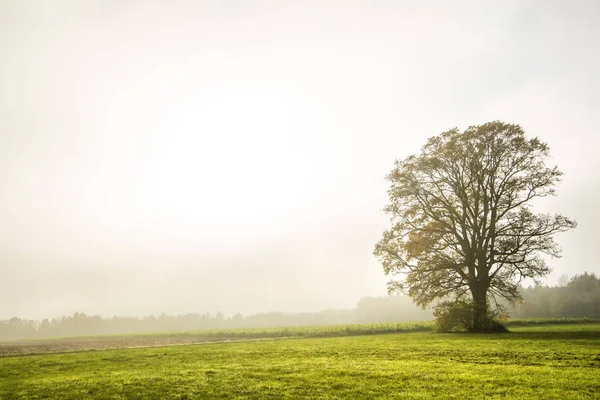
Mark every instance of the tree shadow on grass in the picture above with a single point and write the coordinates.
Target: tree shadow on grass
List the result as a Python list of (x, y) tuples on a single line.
[(567, 335)]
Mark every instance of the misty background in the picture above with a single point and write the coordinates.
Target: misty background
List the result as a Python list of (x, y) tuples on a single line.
[(230, 156)]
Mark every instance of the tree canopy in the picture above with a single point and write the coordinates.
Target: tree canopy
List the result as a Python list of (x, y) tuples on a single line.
[(462, 221)]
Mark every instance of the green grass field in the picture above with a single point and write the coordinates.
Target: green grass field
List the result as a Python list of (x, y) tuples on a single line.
[(533, 361)]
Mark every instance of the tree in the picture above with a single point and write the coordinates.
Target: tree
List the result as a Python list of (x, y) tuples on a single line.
[(462, 224)]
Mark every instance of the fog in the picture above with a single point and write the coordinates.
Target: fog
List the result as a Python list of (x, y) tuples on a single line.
[(204, 156)]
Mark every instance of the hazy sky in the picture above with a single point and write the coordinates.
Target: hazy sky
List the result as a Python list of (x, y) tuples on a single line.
[(196, 156)]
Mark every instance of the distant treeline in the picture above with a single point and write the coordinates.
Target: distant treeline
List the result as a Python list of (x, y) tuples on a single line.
[(577, 297), (368, 310)]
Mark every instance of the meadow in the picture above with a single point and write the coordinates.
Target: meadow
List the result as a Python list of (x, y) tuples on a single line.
[(535, 360)]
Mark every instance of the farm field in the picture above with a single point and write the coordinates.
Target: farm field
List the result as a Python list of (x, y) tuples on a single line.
[(100, 342), (533, 361), (157, 339)]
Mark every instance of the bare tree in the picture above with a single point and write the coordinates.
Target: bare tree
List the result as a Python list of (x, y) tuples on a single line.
[(462, 218)]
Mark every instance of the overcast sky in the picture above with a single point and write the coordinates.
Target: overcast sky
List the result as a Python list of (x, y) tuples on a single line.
[(196, 156)]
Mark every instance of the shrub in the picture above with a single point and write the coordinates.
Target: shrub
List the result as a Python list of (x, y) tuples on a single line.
[(457, 315)]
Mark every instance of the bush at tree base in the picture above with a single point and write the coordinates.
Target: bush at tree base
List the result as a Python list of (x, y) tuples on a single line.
[(457, 315)]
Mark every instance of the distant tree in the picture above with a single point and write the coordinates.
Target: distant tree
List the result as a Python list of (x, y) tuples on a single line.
[(462, 221), (236, 320), (582, 296), (563, 280), (219, 317)]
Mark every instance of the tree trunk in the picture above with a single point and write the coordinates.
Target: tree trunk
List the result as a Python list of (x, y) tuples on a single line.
[(480, 308)]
